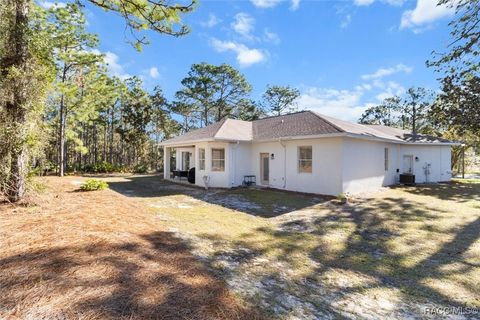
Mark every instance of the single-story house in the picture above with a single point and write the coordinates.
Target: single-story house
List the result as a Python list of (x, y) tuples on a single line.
[(307, 152)]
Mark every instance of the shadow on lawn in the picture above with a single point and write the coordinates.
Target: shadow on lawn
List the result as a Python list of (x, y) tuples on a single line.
[(454, 191), (371, 227), (266, 203), (154, 278), (367, 249), (419, 270)]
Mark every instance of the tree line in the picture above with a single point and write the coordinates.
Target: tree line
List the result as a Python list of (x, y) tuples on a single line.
[(62, 111), (454, 112)]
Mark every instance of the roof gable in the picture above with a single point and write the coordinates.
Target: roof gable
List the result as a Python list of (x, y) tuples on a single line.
[(299, 124), (235, 130), (204, 133)]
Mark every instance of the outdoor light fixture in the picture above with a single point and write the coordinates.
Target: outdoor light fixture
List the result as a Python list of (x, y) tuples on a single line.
[(272, 156), (416, 159)]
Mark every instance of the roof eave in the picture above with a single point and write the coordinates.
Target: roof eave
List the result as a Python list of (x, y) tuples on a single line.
[(399, 141), (190, 142), (183, 143)]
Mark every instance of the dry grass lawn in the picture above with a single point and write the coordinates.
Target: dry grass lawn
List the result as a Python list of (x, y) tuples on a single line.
[(409, 247), (98, 255), (127, 252)]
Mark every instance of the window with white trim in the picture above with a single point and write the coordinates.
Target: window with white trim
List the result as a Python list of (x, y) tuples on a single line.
[(218, 159), (305, 159), (201, 159), (386, 158)]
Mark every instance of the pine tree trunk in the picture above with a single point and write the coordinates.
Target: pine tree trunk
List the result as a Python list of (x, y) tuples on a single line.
[(61, 132), (16, 56), (110, 156), (104, 155), (61, 139)]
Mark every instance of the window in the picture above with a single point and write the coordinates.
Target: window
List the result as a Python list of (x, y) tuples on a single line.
[(218, 159), (305, 159), (386, 158), (201, 159)]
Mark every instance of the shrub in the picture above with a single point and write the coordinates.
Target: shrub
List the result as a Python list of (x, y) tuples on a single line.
[(342, 197), (140, 168), (93, 185)]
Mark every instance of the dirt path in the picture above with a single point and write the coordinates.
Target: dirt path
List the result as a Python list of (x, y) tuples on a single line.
[(100, 255)]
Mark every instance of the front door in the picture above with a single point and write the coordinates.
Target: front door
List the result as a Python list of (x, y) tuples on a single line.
[(186, 161), (407, 164), (264, 168)]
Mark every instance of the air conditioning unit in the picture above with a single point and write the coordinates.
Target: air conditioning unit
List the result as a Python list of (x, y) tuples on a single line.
[(407, 178)]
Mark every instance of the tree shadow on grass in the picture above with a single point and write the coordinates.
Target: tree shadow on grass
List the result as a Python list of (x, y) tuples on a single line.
[(454, 191), (155, 277), (368, 249), (266, 203), (416, 271)]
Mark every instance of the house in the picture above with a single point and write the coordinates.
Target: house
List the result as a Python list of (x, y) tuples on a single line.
[(307, 152)]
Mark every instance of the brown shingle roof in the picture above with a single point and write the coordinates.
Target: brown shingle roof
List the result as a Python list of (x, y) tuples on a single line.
[(303, 123), (299, 124), (407, 136)]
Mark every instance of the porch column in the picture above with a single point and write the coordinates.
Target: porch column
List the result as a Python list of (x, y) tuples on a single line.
[(166, 162)]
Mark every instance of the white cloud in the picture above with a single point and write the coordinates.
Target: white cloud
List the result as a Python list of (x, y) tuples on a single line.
[(391, 89), (397, 3), (211, 22), (346, 21), (265, 3), (366, 3), (363, 2), (153, 72), (115, 68), (271, 37), (49, 4), (341, 104), (243, 24), (295, 4), (425, 13), (383, 72), (245, 55)]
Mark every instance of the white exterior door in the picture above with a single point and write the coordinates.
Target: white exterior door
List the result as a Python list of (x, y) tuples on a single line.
[(264, 168), (407, 164)]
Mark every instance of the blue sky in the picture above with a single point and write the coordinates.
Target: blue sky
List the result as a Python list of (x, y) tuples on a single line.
[(342, 55)]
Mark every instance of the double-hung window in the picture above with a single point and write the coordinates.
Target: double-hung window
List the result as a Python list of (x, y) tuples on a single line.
[(305, 159), (218, 159), (201, 159)]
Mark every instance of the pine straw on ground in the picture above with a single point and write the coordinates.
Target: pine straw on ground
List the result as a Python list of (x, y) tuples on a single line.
[(97, 255)]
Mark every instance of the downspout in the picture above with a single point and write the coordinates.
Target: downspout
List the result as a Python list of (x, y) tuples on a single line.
[(235, 164), (284, 162)]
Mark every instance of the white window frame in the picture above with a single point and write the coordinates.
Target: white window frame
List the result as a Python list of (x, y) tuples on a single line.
[(201, 161), (386, 158), (300, 160), (215, 168)]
